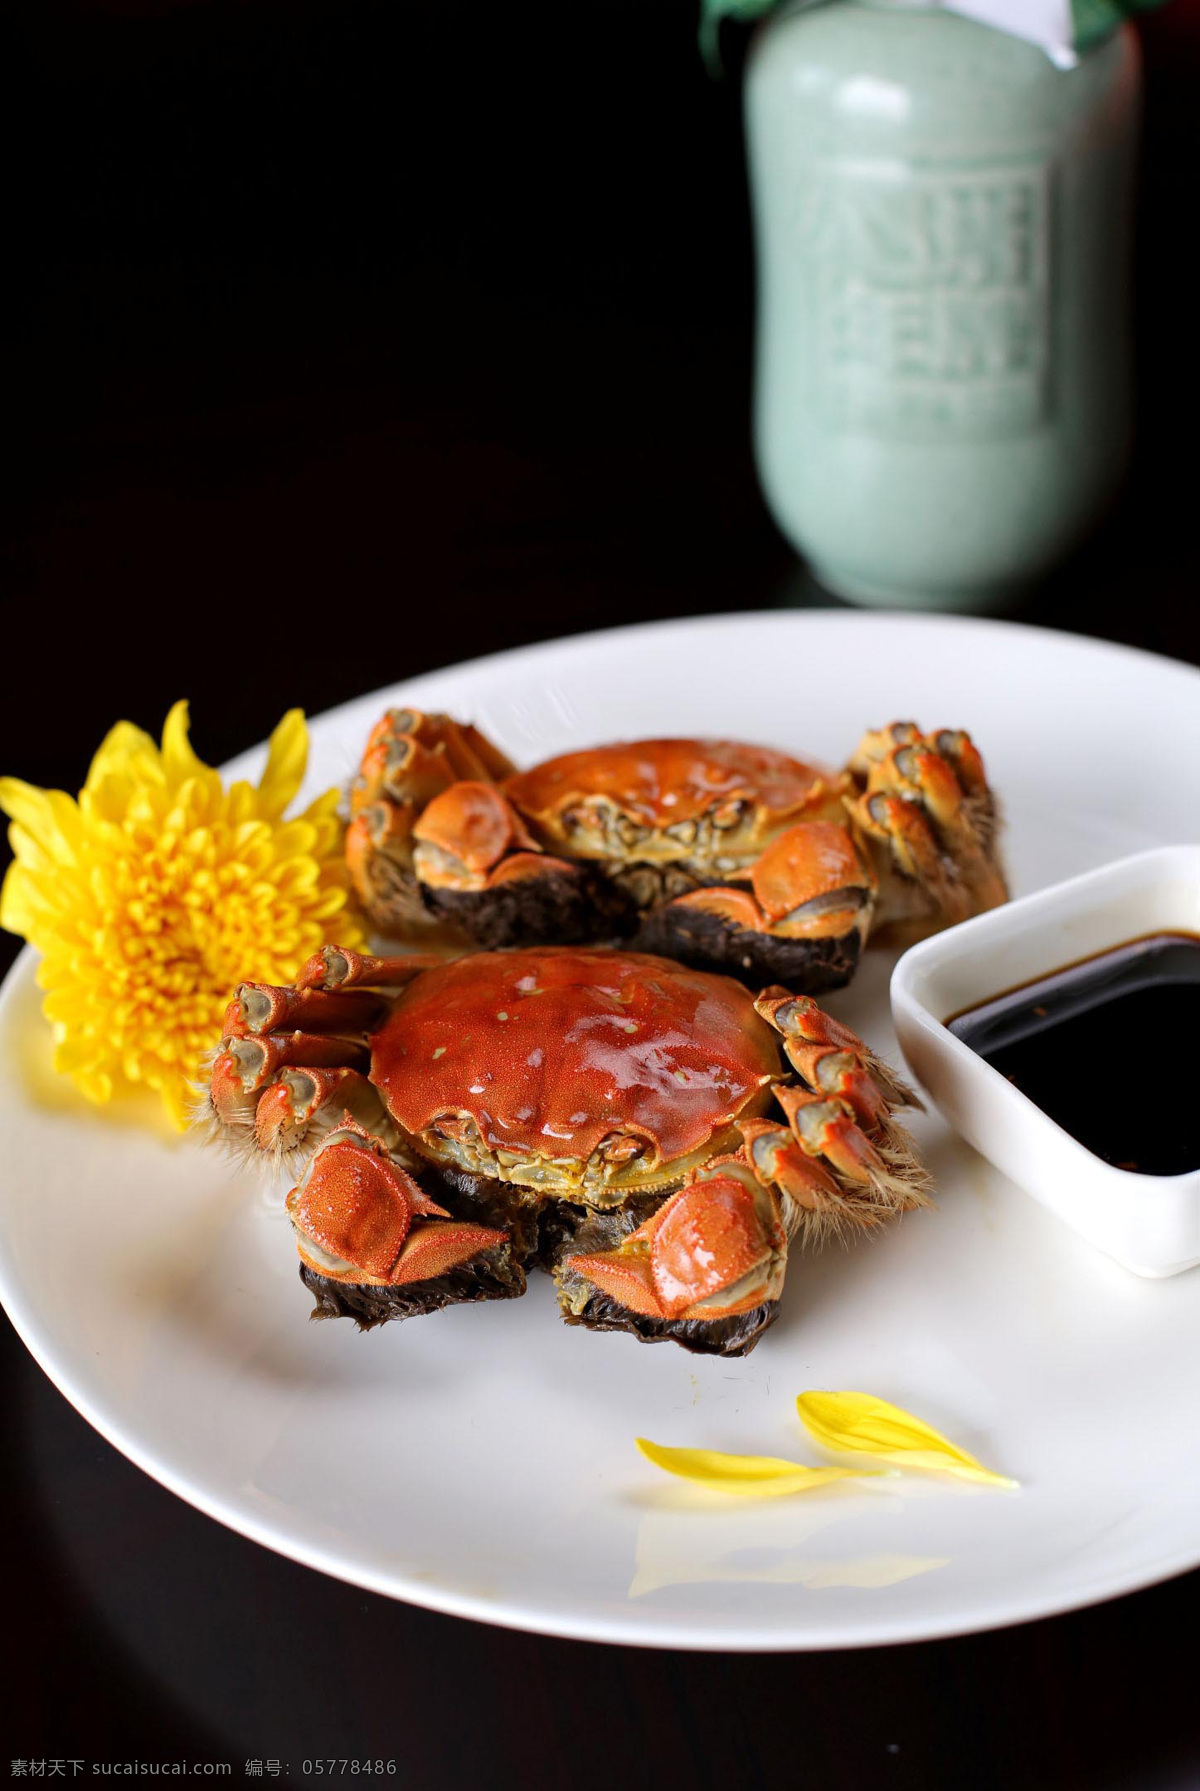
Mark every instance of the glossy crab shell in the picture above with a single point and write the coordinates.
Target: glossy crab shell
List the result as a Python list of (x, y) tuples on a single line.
[(601, 1072), (663, 788)]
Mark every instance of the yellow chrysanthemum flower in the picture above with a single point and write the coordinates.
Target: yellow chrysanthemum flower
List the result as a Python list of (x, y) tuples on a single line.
[(158, 891)]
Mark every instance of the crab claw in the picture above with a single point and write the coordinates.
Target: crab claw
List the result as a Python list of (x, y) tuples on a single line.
[(713, 1250), (813, 883), (802, 916), (464, 834), (737, 907), (357, 1217), (480, 868)]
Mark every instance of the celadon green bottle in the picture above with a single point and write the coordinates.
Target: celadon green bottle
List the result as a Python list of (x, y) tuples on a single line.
[(943, 396)]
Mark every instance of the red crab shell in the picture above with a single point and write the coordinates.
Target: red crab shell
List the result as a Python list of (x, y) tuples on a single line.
[(662, 782), (550, 1051)]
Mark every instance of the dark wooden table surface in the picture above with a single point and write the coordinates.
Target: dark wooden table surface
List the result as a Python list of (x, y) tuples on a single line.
[(353, 340)]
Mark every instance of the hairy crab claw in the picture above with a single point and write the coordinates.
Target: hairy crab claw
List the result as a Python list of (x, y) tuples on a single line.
[(725, 856), (710, 1261), (604, 1114), (353, 1212)]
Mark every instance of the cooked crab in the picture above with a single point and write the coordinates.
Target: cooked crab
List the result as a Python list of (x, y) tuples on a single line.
[(728, 857), (650, 1133)]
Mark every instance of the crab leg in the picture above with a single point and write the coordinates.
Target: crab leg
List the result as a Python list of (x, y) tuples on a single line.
[(258, 1008), (305, 1102), (379, 858), (279, 1097), (925, 803), (830, 1057), (779, 1161), (336, 967), (843, 1155), (410, 756), (875, 1176), (293, 1060)]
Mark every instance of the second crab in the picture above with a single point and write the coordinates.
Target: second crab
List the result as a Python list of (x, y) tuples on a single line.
[(726, 856)]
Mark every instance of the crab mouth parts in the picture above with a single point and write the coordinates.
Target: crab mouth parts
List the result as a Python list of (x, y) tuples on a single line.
[(621, 1165), (600, 829), (724, 839)]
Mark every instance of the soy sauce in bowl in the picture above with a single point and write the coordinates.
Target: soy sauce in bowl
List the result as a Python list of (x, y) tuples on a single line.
[(1109, 1047)]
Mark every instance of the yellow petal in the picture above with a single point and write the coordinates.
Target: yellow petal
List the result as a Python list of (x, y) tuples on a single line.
[(179, 761), (33, 855), (286, 759), (49, 816), (754, 1476), (97, 1085), (323, 808), (125, 751), (860, 1424), (26, 909), (18, 913)]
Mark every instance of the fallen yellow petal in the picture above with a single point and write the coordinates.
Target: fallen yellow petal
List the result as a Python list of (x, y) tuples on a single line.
[(860, 1424), (754, 1476)]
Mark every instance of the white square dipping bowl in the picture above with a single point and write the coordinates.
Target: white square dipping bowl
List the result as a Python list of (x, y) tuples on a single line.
[(1150, 1223)]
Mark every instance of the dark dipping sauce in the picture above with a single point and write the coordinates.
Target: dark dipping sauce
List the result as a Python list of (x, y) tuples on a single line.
[(1110, 1048)]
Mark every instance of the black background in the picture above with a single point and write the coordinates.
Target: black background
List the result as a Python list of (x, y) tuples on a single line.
[(347, 340)]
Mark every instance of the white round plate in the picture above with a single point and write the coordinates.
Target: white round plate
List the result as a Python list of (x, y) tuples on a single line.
[(482, 1462)]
